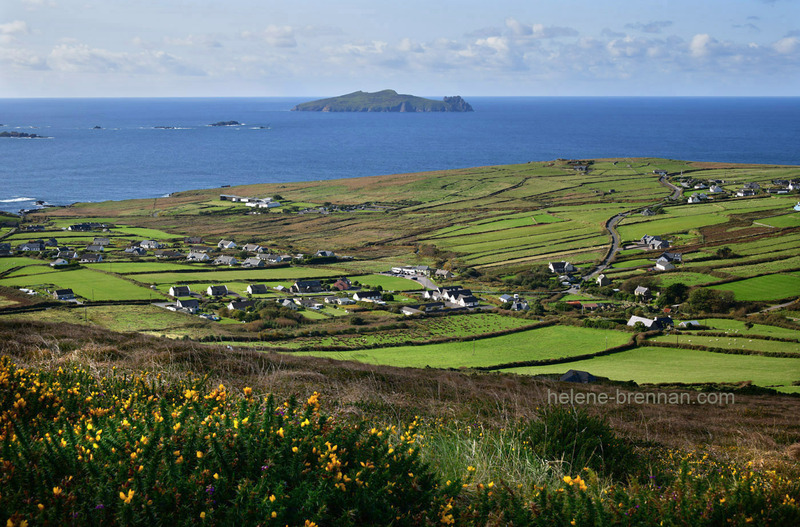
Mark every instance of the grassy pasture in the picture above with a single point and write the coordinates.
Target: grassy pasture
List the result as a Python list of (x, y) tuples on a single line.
[(388, 283), (787, 220), (86, 283), (734, 342), (737, 326), (668, 224), (537, 344), (150, 319), (766, 267), (666, 365), (418, 331), (686, 278), (143, 266), (764, 288)]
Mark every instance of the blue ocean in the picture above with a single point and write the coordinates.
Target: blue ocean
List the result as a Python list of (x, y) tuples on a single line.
[(152, 147)]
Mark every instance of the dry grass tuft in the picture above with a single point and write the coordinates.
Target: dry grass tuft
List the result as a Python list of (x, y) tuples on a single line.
[(794, 451)]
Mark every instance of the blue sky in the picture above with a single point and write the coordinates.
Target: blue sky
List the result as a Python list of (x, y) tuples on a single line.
[(120, 48)]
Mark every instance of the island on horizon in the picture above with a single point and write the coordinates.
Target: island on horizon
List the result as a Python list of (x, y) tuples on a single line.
[(384, 101)]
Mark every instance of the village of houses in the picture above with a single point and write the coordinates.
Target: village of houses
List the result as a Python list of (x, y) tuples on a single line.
[(314, 294)]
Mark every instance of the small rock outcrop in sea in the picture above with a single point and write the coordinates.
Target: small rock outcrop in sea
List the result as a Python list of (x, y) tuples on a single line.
[(226, 123), (384, 101), (97, 127), (164, 127), (22, 135)]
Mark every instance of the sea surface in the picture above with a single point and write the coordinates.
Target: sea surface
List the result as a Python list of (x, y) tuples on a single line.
[(131, 157)]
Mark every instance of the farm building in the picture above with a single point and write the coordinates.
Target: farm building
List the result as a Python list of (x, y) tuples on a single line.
[(643, 292), (603, 280), (651, 323)]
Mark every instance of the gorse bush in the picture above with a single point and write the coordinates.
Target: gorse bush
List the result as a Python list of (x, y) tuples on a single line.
[(83, 449), (134, 451), (578, 440)]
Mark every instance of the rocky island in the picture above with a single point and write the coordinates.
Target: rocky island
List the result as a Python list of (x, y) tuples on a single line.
[(22, 135), (226, 123), (384, 101)]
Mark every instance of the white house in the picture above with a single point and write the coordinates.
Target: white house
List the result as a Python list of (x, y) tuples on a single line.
[(195, 256), (151, 244), (180, 290), (226, 244)]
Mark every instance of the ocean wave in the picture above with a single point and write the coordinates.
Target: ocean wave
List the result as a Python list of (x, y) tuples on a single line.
[(15, 200)]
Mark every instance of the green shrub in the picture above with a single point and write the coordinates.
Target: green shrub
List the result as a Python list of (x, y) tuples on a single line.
[(578, 440)]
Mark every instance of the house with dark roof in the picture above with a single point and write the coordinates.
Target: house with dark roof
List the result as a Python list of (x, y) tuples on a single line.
[(5, 249), (443, 274), (63, 294), (36, 245), (191, 305), (561, 267), (180, 290), (217, 290), (324, 254), (136, 251), (91, 258), (241, 305), (306, 286), (193, 240), (95, 248), (101, 241), (257, 289)]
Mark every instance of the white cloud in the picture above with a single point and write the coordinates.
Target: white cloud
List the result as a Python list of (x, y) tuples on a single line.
[(787, 45), (76, 57), (22, 58), (17, 27), (200, 41), (701, 45), (276, 36), (518, 29)]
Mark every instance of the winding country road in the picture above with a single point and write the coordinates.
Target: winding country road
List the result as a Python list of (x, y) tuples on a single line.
[(611, 225)]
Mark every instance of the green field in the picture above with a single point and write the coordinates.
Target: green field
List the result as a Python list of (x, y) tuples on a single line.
[(686, 278), (146, 266), (764, 288), (734, 342), (537, 344), (737, 326), (388, 283), (667, 365), (787, 220), (86, 283), (423, 330)]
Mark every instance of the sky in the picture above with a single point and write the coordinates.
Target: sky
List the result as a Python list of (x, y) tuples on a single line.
[(292, 48)]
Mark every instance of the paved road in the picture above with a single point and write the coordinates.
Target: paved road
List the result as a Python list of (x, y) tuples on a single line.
[(676, 191), (611, 226)]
